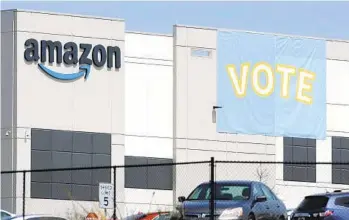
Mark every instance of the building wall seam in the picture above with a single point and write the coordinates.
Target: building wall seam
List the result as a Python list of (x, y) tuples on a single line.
[(148, 58), (188, 46), (71, 35), (260, 33), (186, 138), (66, 14)]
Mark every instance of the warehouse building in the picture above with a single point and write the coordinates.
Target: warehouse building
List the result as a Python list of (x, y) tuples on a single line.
[(144, 98)]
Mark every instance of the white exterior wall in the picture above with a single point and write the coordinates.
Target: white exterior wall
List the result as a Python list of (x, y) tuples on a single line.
[(337, 125), (197, 139), (148, 110), (195, 133), (95, 105), (161, 107)]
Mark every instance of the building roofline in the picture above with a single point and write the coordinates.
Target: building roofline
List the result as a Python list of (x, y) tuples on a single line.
[(65, 14), (87, 16), (176, 25), (149, 33), (256, 32)]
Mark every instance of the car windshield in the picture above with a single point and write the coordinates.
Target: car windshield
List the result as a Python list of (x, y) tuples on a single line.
[(4, 215), (226, 191), (313, 203)]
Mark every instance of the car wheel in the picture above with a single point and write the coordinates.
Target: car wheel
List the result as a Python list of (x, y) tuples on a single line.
[(251, 217), (282, 218)]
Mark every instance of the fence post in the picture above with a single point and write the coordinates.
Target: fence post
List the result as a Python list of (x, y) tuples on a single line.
[(114, 196), (23, 199), (212, 205)]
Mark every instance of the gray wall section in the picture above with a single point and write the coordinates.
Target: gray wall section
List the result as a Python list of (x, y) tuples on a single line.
[(8, 141), (300, 150), (340, 154), (148, 177), (64, 149)]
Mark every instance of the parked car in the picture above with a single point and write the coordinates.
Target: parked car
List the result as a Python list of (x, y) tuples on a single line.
[(156, 216), (326, 206), (234, 200), (150, 216), (5, 214), (34, 217)]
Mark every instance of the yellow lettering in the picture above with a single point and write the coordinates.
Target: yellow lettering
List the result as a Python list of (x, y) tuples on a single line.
[(239, 84), (286, 73), (269, 87), (304, 86)]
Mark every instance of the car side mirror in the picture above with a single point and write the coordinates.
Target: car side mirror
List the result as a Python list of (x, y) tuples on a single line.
[(181, 199), (261, 199)]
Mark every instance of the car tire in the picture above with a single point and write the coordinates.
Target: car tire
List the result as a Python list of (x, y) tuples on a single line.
[(282, 218), (251, 217)]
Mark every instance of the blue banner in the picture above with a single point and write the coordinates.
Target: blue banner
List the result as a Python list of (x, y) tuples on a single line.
[(271, 85)]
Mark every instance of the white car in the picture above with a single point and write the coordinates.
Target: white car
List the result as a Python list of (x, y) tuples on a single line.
[(5, 214)]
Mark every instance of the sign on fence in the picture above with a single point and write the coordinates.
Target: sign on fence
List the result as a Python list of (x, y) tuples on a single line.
[(106, 194)]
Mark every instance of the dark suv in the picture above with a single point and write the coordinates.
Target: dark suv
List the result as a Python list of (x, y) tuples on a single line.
[(327, 206)]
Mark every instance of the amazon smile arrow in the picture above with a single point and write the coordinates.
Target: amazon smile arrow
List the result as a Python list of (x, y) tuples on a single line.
[(84, 71)]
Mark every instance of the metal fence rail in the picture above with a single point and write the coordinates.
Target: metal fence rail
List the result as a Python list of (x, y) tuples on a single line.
[(187, 175)]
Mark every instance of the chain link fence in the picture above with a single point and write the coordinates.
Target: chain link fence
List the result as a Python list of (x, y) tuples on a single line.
[(182, 190)]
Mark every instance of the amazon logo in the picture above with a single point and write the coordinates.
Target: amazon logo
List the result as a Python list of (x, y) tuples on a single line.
[(54, 52)]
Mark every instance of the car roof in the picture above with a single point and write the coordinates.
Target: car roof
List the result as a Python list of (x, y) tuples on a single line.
[(1, 210), (26, 216), (331, 194), (244, 182), (33, 216)]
